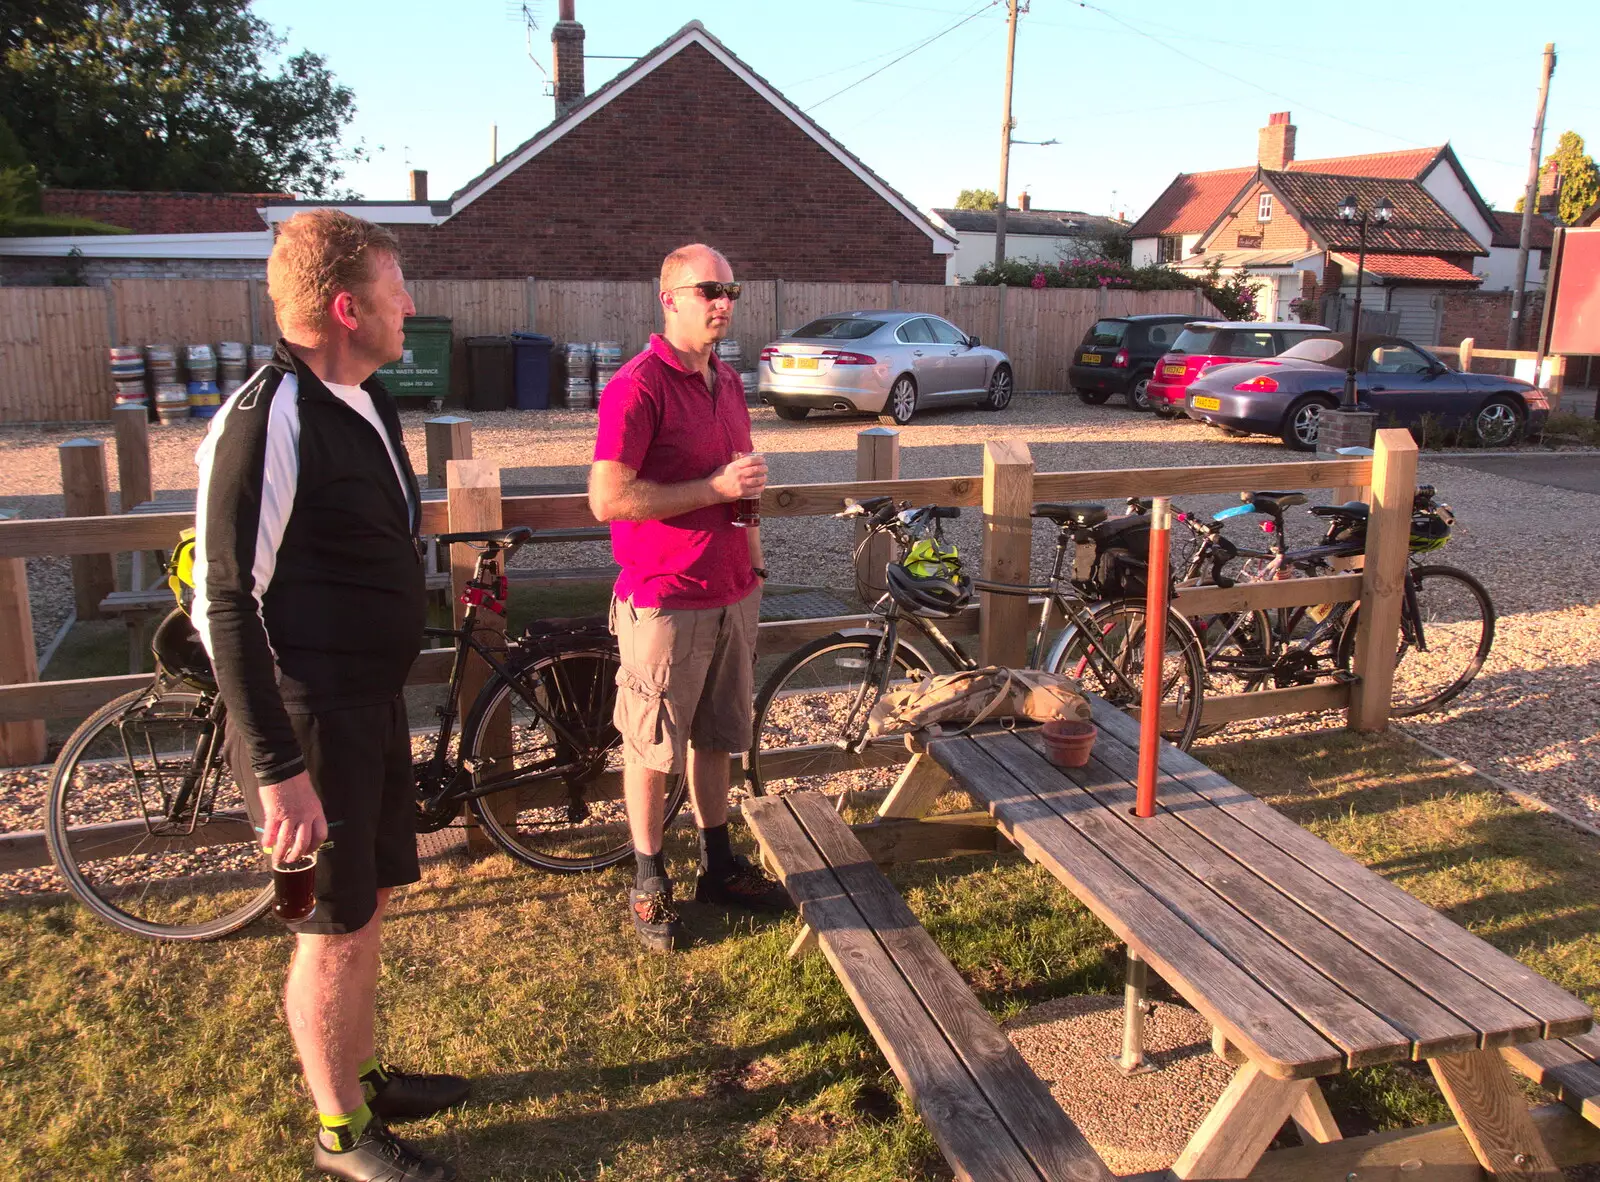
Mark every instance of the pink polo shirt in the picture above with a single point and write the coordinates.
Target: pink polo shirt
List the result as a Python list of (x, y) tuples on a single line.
[(659, 419)]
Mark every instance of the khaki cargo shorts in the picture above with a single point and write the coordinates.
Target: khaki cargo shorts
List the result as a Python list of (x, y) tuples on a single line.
[(688, 675)]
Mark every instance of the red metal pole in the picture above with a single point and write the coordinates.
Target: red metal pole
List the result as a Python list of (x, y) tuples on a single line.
[(1155, 647)]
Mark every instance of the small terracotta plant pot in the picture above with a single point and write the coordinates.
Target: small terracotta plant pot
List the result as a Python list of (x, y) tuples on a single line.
[(1068, 743)]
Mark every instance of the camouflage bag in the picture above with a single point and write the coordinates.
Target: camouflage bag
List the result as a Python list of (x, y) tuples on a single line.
[(972, 696)]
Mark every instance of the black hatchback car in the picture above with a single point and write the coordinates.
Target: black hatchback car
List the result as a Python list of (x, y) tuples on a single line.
[(1119, 354)]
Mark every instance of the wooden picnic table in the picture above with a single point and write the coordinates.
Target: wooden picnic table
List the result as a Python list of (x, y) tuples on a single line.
[(1303, 960)]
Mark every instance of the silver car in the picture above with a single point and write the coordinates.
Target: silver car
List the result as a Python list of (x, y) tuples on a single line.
[(890, 364)]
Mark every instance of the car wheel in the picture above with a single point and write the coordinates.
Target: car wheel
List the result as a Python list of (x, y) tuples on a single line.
[(1138, 395), (1499, 422), (999, 389), (902, 402), (792, 413), (1300, 424), (1093, 397)]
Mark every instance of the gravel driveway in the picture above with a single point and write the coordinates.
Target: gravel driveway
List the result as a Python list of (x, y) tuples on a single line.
[(1531, 717)]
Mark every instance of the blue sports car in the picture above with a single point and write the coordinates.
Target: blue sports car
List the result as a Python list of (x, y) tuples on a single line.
[(1286, 395)]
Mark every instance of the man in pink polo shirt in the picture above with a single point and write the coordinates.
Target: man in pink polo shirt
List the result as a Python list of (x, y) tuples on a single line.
[(670, 459)]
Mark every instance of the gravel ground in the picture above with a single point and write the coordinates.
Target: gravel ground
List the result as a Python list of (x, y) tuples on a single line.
[(1531, 716), (1136, 1123)]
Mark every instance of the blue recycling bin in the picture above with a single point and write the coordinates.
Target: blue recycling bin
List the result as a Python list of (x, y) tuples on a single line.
[(530, 382)]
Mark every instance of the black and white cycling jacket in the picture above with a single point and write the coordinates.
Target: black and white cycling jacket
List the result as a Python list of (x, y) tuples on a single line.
[(308, 576)]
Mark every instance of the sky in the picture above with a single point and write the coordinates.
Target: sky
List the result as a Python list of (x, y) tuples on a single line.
[(1135, 92)]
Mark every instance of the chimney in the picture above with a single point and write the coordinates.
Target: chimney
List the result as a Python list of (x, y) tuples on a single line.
[(1275, 147), (1024, 202), (419, 184), (566, 49)]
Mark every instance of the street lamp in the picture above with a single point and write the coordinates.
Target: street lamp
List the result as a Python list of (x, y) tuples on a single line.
[(1005, 181), (1350, 212)]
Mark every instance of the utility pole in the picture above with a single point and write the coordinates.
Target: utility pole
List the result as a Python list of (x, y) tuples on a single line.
[(1005, 137), (1530, 204)]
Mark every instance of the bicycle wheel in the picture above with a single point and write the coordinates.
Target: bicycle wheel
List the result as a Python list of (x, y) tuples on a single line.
[(566, 825), (1237, 651), (816, 704), (1115, 668), (123, 844), (1457, 631)]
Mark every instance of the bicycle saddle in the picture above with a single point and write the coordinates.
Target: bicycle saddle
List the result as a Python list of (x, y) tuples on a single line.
[(1080, 516), (1273, 503), (1349, 511), (499, 539)]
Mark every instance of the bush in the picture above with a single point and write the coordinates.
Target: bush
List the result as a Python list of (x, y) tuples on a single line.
[(1234, 295)]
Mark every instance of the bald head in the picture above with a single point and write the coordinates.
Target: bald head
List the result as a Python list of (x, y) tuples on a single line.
[(692, 263), (692, 322)]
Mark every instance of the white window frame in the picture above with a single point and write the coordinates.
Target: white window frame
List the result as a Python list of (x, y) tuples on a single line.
[(1264, 208)]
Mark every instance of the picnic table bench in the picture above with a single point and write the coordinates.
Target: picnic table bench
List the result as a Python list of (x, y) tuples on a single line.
[(1304, 962)]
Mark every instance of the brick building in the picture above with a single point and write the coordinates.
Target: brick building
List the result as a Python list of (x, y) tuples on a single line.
[(687, 144), (1278, 219)]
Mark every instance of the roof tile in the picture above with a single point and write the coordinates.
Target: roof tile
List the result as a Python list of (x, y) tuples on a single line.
[(1420, 225), (1508, 231), (1417, 266)]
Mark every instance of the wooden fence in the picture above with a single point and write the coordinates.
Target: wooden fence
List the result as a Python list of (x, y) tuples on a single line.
[(1006, 491), (53, 340)]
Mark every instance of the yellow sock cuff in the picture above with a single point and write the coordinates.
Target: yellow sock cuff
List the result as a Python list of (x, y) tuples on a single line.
[(345, 1128)]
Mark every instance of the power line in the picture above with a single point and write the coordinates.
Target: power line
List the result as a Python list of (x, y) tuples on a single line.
[(920, 45), (1278, 94)]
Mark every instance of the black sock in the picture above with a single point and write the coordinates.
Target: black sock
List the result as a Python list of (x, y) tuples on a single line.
[(716, 852), (648, 866)]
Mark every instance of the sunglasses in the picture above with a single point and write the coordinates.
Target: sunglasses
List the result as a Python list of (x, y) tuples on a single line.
[(710, 289)]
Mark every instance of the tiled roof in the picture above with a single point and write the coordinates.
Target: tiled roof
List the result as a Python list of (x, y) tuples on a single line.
[(1195, 199), (1425, 267), (1058, 223), (1420, 225), (163, 212), (1508, 231), (1191, 202)]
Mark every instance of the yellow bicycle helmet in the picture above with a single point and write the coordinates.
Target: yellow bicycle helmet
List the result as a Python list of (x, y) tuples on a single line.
[(180, 570)]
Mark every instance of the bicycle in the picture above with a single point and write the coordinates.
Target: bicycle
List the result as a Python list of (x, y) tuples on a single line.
[(149, 830), (812, 710), (1447, 619)]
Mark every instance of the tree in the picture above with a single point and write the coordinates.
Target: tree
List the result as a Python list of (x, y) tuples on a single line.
[(1580, 179), (167, 94), (977, 199)]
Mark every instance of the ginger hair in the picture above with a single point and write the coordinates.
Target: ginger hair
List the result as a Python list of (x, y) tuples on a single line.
[(317, 255)]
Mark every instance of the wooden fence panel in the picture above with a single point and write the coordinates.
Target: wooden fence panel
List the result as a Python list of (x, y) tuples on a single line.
[(755, 320), (976, 310), (267, 330), (597, 310), (53, 363), (181, 311), (806, 301), (923, 297)]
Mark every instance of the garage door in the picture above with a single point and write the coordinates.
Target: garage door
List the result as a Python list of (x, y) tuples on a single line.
[(1420, 309)]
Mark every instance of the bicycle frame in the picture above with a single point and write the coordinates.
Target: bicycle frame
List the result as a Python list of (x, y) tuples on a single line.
[(183, 812), (463, 783)]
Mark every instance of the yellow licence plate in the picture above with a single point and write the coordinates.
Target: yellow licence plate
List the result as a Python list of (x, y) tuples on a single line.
[(799, 363), (1172, 371), (1201, 402), (1089, 358)]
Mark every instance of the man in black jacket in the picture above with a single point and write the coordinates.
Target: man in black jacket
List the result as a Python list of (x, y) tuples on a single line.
[(309, 597)]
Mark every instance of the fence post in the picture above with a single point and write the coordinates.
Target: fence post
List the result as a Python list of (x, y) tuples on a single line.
[(132, 425), (449, 437), (777, 308), (1000, 319), (1557, 381), (877, 458), (530, 302), (1007, 549), (1465, 353), (474, 504), (1394, 483), (21, 743), (83, 486), (894, 294)]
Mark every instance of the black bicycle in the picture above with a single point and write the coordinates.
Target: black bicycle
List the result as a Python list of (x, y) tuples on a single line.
[(1447, 620), (812, 710), (149, 829)]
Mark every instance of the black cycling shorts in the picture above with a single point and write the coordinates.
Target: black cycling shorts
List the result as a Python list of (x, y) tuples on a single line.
[(359, 759)]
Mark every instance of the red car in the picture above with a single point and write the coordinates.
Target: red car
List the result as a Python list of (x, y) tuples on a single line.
[(1204, 344)]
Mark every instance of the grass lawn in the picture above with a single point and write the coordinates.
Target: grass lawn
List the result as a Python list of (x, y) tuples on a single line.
[(123, 1059)]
